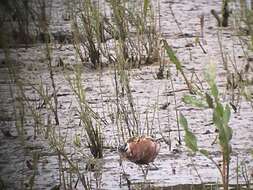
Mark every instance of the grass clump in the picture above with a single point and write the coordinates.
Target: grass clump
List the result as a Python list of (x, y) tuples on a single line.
[(88, 117)]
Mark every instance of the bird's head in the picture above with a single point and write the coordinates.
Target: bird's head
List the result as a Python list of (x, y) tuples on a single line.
[(123, 148)]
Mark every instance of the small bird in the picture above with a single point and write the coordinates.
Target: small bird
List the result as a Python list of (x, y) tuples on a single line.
[(140, 150)]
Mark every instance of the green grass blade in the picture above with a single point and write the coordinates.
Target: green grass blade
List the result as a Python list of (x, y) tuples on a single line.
[(190, 138)]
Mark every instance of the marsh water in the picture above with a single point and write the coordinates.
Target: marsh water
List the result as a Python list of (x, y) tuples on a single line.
[(176, 166)]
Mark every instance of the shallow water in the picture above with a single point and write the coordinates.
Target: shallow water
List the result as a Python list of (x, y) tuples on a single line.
[(175, 166)]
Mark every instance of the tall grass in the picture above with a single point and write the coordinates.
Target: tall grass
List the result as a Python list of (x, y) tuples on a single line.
[(88, 31), (90, 120), (134, 28), (126, 39)]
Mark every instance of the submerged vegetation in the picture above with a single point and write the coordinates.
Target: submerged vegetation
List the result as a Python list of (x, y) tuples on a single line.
[(80, 120)]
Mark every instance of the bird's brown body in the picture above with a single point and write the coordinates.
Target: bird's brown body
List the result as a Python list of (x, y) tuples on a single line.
[(140, 150)]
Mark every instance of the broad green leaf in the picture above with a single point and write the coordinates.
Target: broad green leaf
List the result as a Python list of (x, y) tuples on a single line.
[(217, 116), (209, 101), (183, 122), (190, 138), (221, 118), (204, 152), (226, 115), (229, 133), (191, 141), (220, 109), (214, 91), (193, 100), (225, 135), (223, 141), (172, 55)]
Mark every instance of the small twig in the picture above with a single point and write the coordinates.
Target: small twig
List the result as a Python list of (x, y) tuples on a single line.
[(178, 90), (200, 45), (194, 167), (174, 95), (179, 28)]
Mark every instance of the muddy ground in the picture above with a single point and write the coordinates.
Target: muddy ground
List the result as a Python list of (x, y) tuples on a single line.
[(175, 165)]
